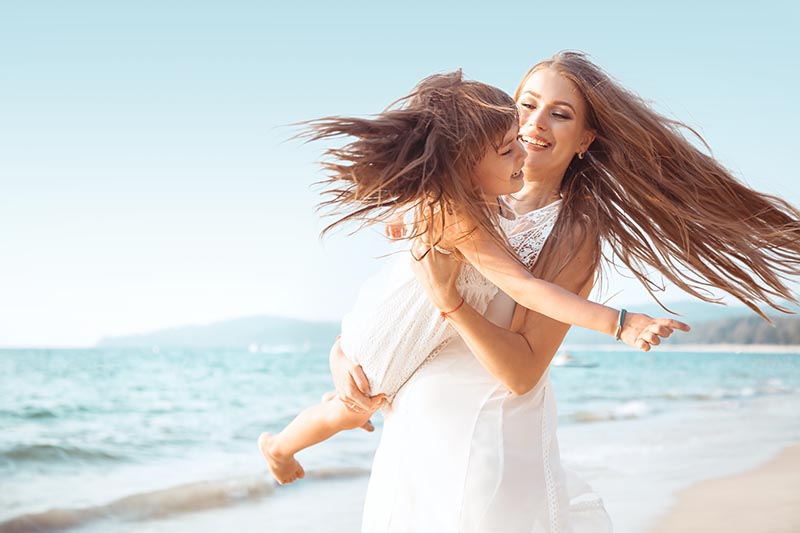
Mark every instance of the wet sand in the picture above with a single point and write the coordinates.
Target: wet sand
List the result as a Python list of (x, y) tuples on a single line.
[(766, 499)]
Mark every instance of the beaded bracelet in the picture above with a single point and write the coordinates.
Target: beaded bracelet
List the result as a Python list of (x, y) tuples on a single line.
[(621, 321)]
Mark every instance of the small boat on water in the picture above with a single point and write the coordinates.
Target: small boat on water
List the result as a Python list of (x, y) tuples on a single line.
[(567, 359)]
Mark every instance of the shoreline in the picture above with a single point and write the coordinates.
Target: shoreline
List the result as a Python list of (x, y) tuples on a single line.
[(705, 348), (765, 498)]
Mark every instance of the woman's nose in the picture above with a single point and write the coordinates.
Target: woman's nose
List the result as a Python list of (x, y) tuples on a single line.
[(537, 120)]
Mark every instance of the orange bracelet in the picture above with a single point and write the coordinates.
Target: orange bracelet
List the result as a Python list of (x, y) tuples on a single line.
[(444, 314)]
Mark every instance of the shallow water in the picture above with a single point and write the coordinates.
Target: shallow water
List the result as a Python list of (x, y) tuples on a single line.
[(142, 438)]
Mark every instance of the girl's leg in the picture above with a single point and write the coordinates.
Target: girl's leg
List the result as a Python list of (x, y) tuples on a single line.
[(368, 426), (312, 426)]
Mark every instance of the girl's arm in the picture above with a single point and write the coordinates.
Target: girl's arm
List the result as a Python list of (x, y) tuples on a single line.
[(549, 299)]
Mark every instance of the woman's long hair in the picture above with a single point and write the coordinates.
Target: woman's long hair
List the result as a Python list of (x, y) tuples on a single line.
[(418, 155), (661, 204)]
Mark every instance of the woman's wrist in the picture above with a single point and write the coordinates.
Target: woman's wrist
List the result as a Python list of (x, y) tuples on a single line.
[(448, 302), (445, 314)]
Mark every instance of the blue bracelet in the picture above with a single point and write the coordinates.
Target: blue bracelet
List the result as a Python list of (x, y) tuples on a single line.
[(620, 322)]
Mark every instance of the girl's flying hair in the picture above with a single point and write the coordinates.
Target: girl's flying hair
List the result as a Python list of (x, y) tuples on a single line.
[(417, 155)]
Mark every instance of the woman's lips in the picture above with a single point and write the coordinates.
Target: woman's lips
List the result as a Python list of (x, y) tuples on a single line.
[(535, 144)]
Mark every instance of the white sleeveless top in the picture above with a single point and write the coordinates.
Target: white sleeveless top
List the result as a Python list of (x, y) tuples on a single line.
[(395, 328)]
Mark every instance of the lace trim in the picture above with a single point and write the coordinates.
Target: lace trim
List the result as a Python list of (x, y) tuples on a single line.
[(532, 230), (552, 501), (590, 505)]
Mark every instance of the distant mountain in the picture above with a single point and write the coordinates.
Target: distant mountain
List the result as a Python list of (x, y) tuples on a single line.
[(744, 330), (262, 332), (711, 324)]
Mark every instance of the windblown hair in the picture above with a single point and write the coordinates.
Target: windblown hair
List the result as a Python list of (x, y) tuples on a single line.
[(662, 204), (418, 155)]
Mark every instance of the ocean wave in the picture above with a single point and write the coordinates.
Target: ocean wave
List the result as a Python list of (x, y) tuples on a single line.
[(53, 453), (36, 413), (770, 387), (280, 349), (337, 472), (626, 411), (162, 503)]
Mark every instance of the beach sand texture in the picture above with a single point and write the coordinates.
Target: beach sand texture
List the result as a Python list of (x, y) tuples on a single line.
[(766, 499)]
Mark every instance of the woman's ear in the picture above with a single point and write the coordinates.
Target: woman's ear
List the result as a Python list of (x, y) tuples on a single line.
[(588, 138)]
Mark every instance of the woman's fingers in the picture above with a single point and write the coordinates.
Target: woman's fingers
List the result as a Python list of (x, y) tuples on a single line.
[(359, 403), (354, 398), (360, 379)]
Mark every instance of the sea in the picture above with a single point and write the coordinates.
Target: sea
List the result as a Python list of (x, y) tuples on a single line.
[(164, 439)]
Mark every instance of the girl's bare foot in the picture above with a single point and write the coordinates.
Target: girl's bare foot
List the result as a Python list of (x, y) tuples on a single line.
[(284, 469)]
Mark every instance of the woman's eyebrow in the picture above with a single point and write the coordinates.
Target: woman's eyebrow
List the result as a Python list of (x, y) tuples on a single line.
[(557, 102)]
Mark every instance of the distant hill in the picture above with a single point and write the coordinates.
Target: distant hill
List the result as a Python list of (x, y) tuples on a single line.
[(263, 332), (711, 324), (744, 330)]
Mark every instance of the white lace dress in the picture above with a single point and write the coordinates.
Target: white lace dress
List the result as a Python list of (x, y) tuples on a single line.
[(394, 327), (459, 453)]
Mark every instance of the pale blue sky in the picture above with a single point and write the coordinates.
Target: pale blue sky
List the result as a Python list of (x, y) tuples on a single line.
[(145, 178)]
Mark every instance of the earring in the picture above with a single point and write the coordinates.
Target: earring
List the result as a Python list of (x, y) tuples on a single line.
[(581, 154)]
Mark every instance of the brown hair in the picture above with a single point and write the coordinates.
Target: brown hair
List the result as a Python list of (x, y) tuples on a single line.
[(660, 203), (419, 154)]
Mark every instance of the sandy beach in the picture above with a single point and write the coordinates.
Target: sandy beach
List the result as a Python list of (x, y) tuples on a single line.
[(766, 499)]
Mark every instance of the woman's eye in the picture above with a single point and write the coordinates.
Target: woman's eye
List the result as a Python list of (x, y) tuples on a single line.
[(527, 106), (561, 116)]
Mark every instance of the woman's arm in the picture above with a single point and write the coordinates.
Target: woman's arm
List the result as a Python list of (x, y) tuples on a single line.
[(519, 356)]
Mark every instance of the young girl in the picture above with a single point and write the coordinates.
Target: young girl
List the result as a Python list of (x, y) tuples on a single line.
[(446, 153)]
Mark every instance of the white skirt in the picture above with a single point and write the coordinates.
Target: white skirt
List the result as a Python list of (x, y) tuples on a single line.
[(460, 453)]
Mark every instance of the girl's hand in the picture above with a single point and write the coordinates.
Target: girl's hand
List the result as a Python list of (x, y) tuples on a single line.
[(352, 386), (396, 228), (437, 272), (644, 332)]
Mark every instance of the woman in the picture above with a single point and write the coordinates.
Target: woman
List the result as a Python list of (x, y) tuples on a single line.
[(470, 443)]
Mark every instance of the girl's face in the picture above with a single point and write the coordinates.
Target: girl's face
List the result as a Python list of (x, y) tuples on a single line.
[(499, 172), (553, 130)]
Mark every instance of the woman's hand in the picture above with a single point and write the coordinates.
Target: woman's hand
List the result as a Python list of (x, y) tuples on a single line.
[(644, 332), (437, 272), (352, 386)]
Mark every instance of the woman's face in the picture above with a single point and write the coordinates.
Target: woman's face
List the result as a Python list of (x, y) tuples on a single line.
[(499, 172), (553, 130)]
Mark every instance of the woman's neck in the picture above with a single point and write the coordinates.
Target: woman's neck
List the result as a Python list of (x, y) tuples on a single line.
[(534, 195)]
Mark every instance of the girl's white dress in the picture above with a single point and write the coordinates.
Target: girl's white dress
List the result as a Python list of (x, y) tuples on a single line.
[(460, 453), (394, 327)]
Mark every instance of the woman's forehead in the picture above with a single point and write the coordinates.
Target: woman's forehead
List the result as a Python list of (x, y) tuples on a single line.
[(547, 83)]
